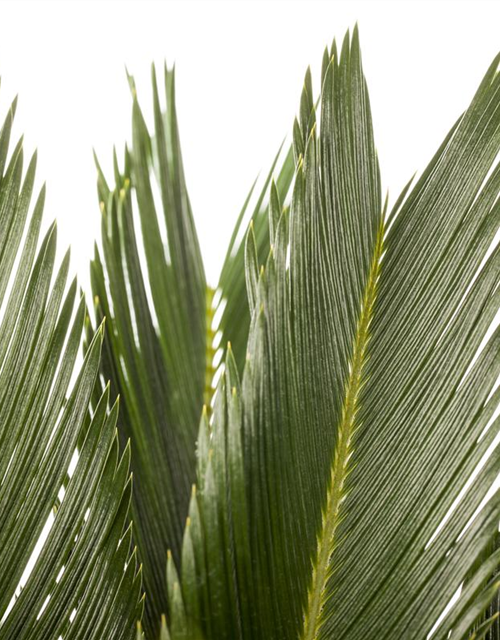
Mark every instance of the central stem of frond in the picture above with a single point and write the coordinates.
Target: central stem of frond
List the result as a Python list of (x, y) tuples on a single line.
[(331, 513)]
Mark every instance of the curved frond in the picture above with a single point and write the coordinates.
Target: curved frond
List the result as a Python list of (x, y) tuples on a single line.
[(151, 288), (159, 352), (66, 579), (330, 497)]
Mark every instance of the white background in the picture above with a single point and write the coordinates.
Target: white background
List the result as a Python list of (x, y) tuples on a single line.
[(240, 68)]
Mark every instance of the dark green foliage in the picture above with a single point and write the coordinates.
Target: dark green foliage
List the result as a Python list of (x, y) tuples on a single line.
[(324, 476), (156, 354), (314, 493), (42, 420)]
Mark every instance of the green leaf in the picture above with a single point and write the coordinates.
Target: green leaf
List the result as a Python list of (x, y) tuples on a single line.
[(78, 562), (232, 303), (327, 491), (160, 346), (151, 287)]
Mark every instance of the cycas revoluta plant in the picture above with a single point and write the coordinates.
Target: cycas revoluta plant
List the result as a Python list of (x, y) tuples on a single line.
[(317, 497)]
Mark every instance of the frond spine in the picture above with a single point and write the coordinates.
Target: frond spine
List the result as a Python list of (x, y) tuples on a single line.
[(343, 451)]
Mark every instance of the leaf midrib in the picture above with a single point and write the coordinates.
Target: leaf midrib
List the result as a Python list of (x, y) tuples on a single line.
[(339, 470)]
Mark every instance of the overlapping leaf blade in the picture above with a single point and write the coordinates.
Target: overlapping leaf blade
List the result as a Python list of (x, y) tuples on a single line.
[(325, 477), (234, 322), (161, 344), (151, 287), (82, 559), (285, 463), (419, 415)]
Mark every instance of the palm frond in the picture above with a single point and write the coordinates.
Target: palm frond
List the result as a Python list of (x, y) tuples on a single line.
[(76, 585), (160, 350), (153, 293), (327, 484)]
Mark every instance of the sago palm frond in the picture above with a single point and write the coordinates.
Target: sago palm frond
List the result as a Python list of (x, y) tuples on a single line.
[(156, 352), (334, 487), (75, 584), (161, 340)]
